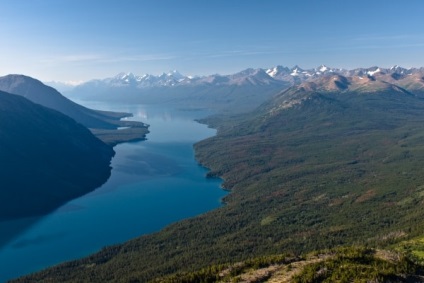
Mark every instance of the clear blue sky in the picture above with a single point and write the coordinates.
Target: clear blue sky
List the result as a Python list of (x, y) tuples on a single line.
[(74, 40)]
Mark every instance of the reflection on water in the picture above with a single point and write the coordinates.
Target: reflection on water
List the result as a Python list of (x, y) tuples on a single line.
[(153, 183), (9, 229)]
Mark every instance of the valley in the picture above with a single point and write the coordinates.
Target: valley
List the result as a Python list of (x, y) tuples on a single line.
[(211, 141), (331, 161)]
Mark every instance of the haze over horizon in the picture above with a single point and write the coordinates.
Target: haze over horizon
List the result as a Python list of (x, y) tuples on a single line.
[(75, 40)]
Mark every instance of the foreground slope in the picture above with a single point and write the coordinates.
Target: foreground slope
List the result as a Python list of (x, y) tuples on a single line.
[(318, 166), (46, 158), (348, 264)]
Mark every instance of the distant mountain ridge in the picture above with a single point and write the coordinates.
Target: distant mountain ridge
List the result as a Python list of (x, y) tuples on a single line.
[(237, 92), (248, 76)]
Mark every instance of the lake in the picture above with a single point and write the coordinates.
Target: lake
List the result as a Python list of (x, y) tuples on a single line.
[(153, 183)]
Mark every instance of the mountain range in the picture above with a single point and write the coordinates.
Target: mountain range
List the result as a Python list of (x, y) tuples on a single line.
[(249, 76), (214, 92), (174, 79), (239, 92)]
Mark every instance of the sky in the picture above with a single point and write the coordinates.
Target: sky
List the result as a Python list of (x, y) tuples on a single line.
[(78, 40)]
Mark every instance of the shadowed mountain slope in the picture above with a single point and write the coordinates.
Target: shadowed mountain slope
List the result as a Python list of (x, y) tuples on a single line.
[(104, 124), (39, 93), (46, 158)]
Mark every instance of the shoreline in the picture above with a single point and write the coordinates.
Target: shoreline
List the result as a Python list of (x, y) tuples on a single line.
[(118, 136)]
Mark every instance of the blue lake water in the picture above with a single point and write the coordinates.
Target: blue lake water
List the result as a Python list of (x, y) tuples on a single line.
[(153, 183)]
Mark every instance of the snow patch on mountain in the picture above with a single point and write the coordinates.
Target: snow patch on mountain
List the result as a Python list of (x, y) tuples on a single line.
[(295, 72), (371, 73), (323, 68), (272, 72)]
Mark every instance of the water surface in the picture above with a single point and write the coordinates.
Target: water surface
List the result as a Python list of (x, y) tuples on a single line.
[(153, 183)]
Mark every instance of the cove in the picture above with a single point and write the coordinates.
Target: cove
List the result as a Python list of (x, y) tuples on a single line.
[(153, 183)]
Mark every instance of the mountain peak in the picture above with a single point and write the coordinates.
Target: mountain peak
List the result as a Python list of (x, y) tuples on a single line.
[(26, 86), (296, 71), (125, 78), (278, 71), (18, 78), (322, 68), (373, 70), (175, 74)]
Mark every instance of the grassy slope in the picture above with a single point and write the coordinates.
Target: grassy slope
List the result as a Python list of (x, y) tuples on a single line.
[(348, 264), (335, 170)]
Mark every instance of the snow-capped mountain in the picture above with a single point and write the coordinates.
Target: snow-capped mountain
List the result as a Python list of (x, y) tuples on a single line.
[(124, 79), (249, 87), (171, 78), (273, 76), (297, 75), (251, 77), (278, 72), (174, 79)]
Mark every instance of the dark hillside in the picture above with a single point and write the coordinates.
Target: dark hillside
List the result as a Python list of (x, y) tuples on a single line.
[(39, 93), (46, 158), (103, 124)]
